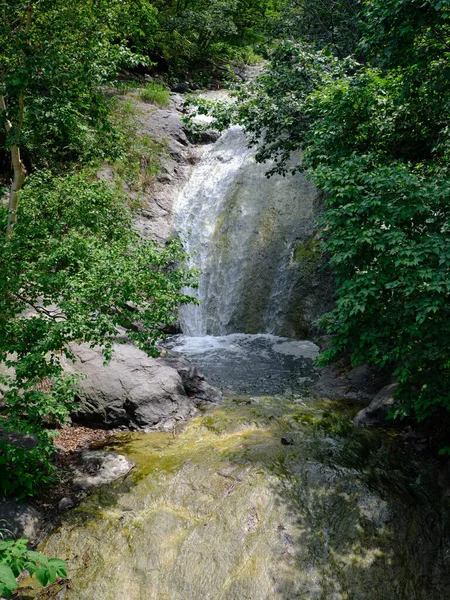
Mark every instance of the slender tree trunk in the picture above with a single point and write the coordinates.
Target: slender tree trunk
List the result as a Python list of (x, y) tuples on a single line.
[(16, 161), (16, 186), (18, 178)]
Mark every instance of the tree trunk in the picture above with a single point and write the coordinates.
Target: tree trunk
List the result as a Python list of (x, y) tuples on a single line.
[(16, 186), (18, 179), (17, 164)]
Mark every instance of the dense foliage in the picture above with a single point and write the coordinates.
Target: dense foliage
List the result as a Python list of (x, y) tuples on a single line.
[(73, 271), (72, 268), (335, 24), (196, 33), (375, 138)]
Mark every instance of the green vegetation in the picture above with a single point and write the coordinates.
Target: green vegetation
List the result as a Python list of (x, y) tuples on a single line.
[(374, 133), (360, 87), (73, 269), (155, 93), (200, 36), (15, 558), (72, 272)]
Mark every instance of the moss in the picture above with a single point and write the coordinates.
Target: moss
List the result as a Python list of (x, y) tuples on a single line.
[(307, 254), (225, 509)]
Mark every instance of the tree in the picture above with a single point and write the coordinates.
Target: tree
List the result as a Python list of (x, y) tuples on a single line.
[(332, 24), (73, 270), (54, 58)]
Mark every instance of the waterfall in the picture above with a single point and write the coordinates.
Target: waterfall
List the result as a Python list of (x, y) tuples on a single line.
[(241, 230)]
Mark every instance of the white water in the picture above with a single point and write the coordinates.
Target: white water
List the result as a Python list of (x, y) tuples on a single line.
[(240, 230), (198, 211)]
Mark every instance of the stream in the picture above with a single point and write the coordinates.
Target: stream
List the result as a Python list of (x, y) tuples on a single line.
[(274, 494)]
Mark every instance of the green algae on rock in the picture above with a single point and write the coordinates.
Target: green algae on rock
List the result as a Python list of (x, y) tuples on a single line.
[(224, 511)]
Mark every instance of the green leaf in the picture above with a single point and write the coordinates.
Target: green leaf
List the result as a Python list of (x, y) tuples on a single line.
[(7, 577), (42, 575)]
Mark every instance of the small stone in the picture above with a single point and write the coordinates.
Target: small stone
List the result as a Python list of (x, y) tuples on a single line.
[(287, 441), (66, 504), (99, 468)]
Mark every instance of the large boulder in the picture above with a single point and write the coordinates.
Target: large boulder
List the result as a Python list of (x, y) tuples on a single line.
[(377, 412), (133, 391), (20, 520)]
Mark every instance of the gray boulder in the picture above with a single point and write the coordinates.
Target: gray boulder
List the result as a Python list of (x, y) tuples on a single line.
[(98, 468), (165, 126), (376, 413), (20, 520), (134, 390)]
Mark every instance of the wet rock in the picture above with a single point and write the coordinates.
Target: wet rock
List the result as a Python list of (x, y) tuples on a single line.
[(98, 468), (195, 385), (377, 411), (207, 136), (135, 390), (359, 385), (20, 520), (291, 523), (242, 230)]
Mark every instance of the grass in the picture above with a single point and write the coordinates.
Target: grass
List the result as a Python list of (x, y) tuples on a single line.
[(155, 93)]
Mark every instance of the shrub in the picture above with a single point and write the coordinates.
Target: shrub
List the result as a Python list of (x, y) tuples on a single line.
[(73, 270)]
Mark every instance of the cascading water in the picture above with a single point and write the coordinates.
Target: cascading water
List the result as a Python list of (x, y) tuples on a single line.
[(242, 230)]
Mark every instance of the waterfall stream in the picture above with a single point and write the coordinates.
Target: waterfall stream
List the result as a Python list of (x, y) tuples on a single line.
[(242, 230)]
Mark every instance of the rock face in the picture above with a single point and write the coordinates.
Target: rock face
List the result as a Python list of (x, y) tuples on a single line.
[(155, 218), (253, 239), (224, 510), (377, 411), (134, 390)]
